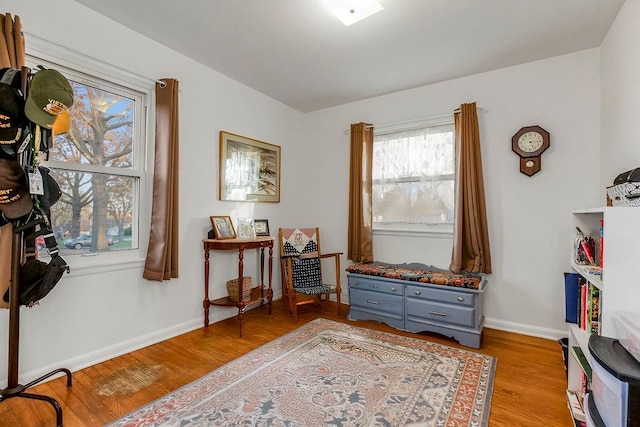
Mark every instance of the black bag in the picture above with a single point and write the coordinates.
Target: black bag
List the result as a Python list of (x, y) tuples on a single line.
[(38, 278)]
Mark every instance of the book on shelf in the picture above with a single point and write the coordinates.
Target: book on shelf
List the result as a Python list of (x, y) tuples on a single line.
[(571, 292), (594, 310), (578, 423), (582, 303), (601, 257), (575, 401), (578, 354), (584, 290)]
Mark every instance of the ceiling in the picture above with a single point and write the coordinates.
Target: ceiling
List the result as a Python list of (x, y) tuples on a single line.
[(295, 51)]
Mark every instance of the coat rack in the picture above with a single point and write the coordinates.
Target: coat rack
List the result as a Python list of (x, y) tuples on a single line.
[(18, 254)]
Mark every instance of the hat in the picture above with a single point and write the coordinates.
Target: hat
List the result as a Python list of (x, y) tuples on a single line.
[(11, 76), (62, 123), (12, 119), (49, 95), (15, 200), (52, 192)]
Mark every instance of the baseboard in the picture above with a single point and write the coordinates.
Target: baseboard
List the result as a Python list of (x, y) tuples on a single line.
[(521, 328), (92, 358)]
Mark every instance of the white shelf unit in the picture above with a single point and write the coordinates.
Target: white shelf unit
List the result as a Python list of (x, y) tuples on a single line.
[(619, 288)]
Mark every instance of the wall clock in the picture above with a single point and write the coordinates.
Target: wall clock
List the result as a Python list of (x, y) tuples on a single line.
[(529, 143)]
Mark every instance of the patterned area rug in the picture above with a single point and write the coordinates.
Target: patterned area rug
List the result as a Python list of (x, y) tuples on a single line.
[(327, 373)]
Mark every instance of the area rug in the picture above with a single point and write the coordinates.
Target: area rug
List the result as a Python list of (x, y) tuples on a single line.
[(327, 373)]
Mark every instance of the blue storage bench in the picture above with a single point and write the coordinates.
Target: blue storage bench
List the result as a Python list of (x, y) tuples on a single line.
[(416, 297)]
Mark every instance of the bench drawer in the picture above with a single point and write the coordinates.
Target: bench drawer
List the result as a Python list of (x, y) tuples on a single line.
[(441, 313), (455, 297), (365, 283), (376, 301)]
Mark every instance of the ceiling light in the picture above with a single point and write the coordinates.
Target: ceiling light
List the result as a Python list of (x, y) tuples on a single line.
[(352, 11)]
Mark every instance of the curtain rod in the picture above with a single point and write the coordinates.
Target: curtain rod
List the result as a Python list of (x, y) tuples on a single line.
[(40, 40), (457, 110), (421, 121), (411, 123)]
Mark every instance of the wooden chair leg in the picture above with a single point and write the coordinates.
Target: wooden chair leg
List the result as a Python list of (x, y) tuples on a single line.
[(338, 299), (294, 308), (285, 290)]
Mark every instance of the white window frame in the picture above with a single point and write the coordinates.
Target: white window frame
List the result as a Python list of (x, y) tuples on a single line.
[(91, 71), (414, 230)]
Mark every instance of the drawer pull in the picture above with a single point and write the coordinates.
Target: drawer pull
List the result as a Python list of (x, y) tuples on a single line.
[(372, 302), (437, 313), (417, 292), (373, 286), (393, 289), (460, 299)]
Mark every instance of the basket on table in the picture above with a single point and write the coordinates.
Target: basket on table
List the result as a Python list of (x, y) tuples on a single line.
[(232, 288)]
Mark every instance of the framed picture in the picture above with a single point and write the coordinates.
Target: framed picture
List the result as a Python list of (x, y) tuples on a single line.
[(261, 226), (222, 227), (249, 169), (246, 228)]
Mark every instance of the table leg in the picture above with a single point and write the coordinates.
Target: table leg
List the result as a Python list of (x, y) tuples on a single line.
[(206, 303), (262, 276), (270, 288), (240, 286)]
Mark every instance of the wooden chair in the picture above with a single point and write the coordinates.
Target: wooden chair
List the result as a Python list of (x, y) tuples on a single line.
[(301, 267)]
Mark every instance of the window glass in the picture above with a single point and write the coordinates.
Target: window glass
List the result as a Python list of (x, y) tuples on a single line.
[(413, 178), (97, 166)]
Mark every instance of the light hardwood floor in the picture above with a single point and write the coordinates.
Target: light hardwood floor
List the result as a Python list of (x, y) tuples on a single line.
[(529, 387)]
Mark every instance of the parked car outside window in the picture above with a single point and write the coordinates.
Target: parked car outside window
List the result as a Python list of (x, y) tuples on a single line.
[(83, 241)]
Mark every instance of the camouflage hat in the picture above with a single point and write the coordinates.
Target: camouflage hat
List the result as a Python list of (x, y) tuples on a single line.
[(49, 95)]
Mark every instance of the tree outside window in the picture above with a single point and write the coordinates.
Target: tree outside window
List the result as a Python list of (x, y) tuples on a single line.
[(95, 168)]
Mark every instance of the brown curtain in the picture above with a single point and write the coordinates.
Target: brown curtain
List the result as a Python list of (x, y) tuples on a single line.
[(360, 200), (470, 235), (162, 255), (12, 45), (12, 48)]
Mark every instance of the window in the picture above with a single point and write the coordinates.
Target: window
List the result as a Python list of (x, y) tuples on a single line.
[(413, 179), (100, 166)]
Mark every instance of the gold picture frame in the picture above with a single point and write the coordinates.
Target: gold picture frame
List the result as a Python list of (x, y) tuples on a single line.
[(223, 227), (249, 169)]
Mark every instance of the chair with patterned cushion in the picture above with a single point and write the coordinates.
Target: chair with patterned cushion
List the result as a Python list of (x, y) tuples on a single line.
[(301, 266)]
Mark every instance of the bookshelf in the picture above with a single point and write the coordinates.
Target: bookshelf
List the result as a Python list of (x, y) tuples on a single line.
[(617, 284)]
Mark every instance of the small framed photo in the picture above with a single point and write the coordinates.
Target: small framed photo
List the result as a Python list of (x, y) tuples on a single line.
[(223, 227), (261, 226), (246, 228)]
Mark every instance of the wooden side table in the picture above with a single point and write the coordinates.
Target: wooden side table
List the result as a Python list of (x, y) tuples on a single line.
[(258, 293)]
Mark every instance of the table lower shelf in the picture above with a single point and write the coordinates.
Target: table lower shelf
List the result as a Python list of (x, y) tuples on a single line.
[(257, 295)]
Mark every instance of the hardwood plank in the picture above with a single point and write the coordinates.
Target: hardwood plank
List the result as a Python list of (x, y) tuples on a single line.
[(529, 387)]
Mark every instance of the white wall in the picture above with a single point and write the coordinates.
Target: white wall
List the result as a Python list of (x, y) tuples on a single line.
[(620, 148), (528, 216), (90, 318)]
